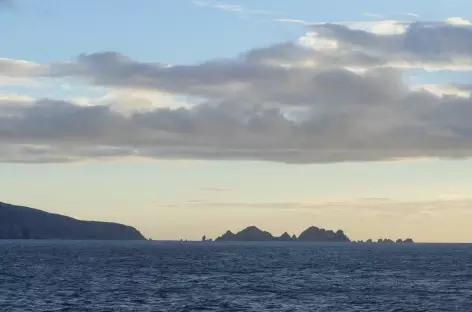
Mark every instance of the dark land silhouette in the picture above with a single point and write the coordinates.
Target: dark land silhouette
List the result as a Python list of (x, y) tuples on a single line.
[(312, 234), (17, 222)]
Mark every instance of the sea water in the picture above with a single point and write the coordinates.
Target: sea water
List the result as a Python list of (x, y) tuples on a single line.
[(159, 276)]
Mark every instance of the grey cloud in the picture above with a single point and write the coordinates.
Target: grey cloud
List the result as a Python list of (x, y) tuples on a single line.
[(291, 54), (258, 76), (252, 109), (19, 69), (422, 42), (388, 127), (244, 80)]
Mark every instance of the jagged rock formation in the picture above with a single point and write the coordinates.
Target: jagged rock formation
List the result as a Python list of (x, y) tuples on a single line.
[(285, 237), (18, 222), (251, 233), (312, 234), (228, 236), (315, 234)]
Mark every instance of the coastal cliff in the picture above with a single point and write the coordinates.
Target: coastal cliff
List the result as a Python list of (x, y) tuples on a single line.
[(17, 222)]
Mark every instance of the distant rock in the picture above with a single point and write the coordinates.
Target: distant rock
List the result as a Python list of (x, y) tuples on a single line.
[(312, 234), (251, 233), (17, 222), (385, 241), (206, 240), (228, 236), (390, 241), (315, 234), (285, 237)]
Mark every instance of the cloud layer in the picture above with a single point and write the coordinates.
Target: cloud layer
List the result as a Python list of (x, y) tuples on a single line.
[(341, 96)]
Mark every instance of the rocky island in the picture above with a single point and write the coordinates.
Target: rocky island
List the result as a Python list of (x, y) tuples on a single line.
[(386, 241), (17, 222), (312, 234)]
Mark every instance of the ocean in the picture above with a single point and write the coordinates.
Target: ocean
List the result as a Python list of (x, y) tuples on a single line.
[(159, 276)]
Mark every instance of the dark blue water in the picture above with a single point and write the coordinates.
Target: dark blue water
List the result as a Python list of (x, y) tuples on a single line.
[(151, 276)]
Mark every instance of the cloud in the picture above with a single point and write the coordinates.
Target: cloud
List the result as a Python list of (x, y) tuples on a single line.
[(249, 80), (390, 43), (458, 21), (233, 8), (293, 21), (128, 101), (423, 44), (395, 43), (446, 89), (410, 14), (373, 15), (367, 207), (286, 103), (19, 68), (374, 118), (216, 5), (15, 98)]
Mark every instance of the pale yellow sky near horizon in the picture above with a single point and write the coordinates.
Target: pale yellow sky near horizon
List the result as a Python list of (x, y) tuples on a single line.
[(425, 200)]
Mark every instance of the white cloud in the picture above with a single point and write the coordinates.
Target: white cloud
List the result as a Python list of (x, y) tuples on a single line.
[(233, 8), (374, 15), (382, 27), (410, 14), (442, 90), (129, 101), (19, 68), (16, 98), (293, 21), (224, 7), (458, 21), (385, 27), (312, 40)]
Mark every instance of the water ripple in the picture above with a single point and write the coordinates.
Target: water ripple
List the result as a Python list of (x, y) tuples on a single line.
[(151, 276)]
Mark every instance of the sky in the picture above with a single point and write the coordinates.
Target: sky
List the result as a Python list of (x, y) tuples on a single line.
[(188, 118)]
